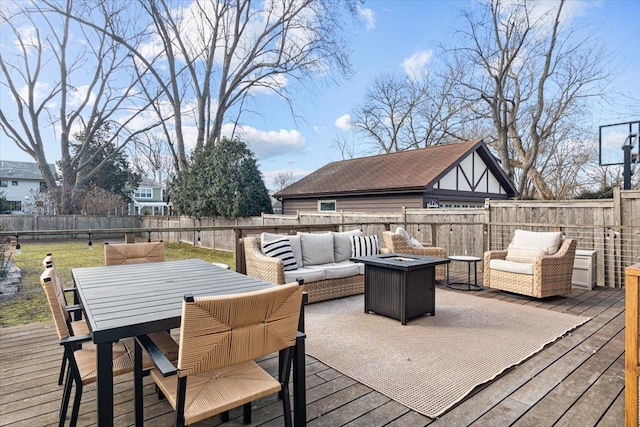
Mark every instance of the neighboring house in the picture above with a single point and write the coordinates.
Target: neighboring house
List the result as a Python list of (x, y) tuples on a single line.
[(18, 182), (460, 175), (148, 199)]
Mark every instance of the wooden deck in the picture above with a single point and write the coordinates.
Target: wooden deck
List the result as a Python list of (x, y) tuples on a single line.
[(577, 381)]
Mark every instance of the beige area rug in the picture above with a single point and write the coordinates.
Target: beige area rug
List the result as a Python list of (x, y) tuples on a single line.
[(434, 361)]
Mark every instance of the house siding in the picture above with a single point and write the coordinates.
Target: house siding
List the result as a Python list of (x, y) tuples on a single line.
[(371, 203)]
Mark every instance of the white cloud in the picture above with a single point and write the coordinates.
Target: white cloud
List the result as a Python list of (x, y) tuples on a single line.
[(417, 64), (266, 144), (343, 122), (367, 16)]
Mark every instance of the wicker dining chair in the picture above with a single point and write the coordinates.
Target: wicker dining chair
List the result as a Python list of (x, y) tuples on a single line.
[(220, 336), (133, 253), (82, 367)]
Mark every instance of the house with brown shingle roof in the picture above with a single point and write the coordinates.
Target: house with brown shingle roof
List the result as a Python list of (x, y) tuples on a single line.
[(456, 175)]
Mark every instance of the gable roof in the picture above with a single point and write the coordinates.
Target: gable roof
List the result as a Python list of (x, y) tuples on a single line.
[(412, 170), (22, 170)]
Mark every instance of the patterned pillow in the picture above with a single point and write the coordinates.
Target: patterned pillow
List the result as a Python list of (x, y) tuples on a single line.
[(528, 255), (281, 248), (364, 245)]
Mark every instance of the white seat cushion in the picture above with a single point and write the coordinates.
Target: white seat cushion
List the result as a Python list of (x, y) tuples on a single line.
[(510, 266), (537, 239), (309, 274), (360, 267), (340, 270)]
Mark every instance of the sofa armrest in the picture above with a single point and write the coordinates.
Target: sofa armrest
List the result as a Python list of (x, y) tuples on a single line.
[(259, 265)]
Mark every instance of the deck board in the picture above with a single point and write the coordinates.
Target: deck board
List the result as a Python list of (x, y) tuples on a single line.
[(578, 380)]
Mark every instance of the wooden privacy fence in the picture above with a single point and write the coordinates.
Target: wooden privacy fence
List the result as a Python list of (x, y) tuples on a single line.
[(610, 227)]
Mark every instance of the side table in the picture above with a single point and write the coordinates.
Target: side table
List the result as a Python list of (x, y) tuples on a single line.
[(461, 286)]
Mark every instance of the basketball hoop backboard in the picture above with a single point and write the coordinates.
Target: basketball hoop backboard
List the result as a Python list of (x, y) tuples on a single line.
[(613, 137)]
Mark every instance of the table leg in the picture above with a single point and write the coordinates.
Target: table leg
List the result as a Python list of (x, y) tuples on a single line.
[(299, 383), (137, 384), (105, 384)]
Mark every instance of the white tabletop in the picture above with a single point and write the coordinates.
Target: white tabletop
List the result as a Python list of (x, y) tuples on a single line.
[(467, 258)]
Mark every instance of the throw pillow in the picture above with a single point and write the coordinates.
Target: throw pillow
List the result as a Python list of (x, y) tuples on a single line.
[(405, 235), (415, 243), (528, 255), (342, 244), (317, 248), (293, 240), (364, 246), (281, 248)]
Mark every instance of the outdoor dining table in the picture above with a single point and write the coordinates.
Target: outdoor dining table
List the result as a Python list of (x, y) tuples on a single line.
[(137, 299)]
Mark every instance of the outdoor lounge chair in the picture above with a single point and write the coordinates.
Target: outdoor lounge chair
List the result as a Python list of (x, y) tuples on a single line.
[(220, 336), (398, 244), (82, 361), (133, 253), (536, 264)]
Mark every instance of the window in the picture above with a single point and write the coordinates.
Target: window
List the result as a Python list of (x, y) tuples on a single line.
[(143, 193), (4, 183), (15, 206), (326, 206), (14, 183), (43, 186)]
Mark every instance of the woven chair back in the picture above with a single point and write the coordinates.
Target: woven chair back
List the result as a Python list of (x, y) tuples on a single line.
[(133, 253), (57, 303), (48, 260), (219, 331)]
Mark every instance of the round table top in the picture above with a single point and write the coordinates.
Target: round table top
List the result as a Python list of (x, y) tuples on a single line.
[(467, 258)]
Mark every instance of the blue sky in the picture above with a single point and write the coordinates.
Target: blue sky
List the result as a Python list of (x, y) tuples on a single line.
[(390, 33)]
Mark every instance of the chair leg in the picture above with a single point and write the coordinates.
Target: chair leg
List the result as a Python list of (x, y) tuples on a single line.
[(66, 395), (246, 413), (76, 405), (286, 406), (63, 367), (224, 416)]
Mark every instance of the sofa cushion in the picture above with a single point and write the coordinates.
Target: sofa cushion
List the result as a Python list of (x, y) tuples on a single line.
[(528, 255), (360, 267), (537, 239), (511, 267), (281, 248), (317, 248), (364, 246), (293, 240), (405, 235), (309, 274), (342, 244), (340, 270)]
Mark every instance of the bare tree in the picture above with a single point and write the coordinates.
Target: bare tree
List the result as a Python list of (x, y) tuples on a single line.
[(530, 73), (205, 61), (62, 79)]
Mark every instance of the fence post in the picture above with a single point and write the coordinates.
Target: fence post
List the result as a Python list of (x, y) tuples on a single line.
[(239, 245)]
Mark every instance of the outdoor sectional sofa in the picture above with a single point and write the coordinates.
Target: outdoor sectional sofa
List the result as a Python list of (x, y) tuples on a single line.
[(321, 259)]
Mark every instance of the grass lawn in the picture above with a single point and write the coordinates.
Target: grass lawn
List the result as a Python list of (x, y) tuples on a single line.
[(30, 304)]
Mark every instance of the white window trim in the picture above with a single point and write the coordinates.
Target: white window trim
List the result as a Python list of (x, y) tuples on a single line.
[(138, 193), (321, 202)]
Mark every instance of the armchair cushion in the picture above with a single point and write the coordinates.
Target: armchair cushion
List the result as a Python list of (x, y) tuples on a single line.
[(535, 239), (405, 235), (529, 255), (511, 267), (414, 242), (281, 248), (294, 241), (317, 248)]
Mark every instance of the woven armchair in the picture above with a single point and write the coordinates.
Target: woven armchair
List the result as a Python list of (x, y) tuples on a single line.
[(395, 243), (220, 337), (133, 253), (551, 273)]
